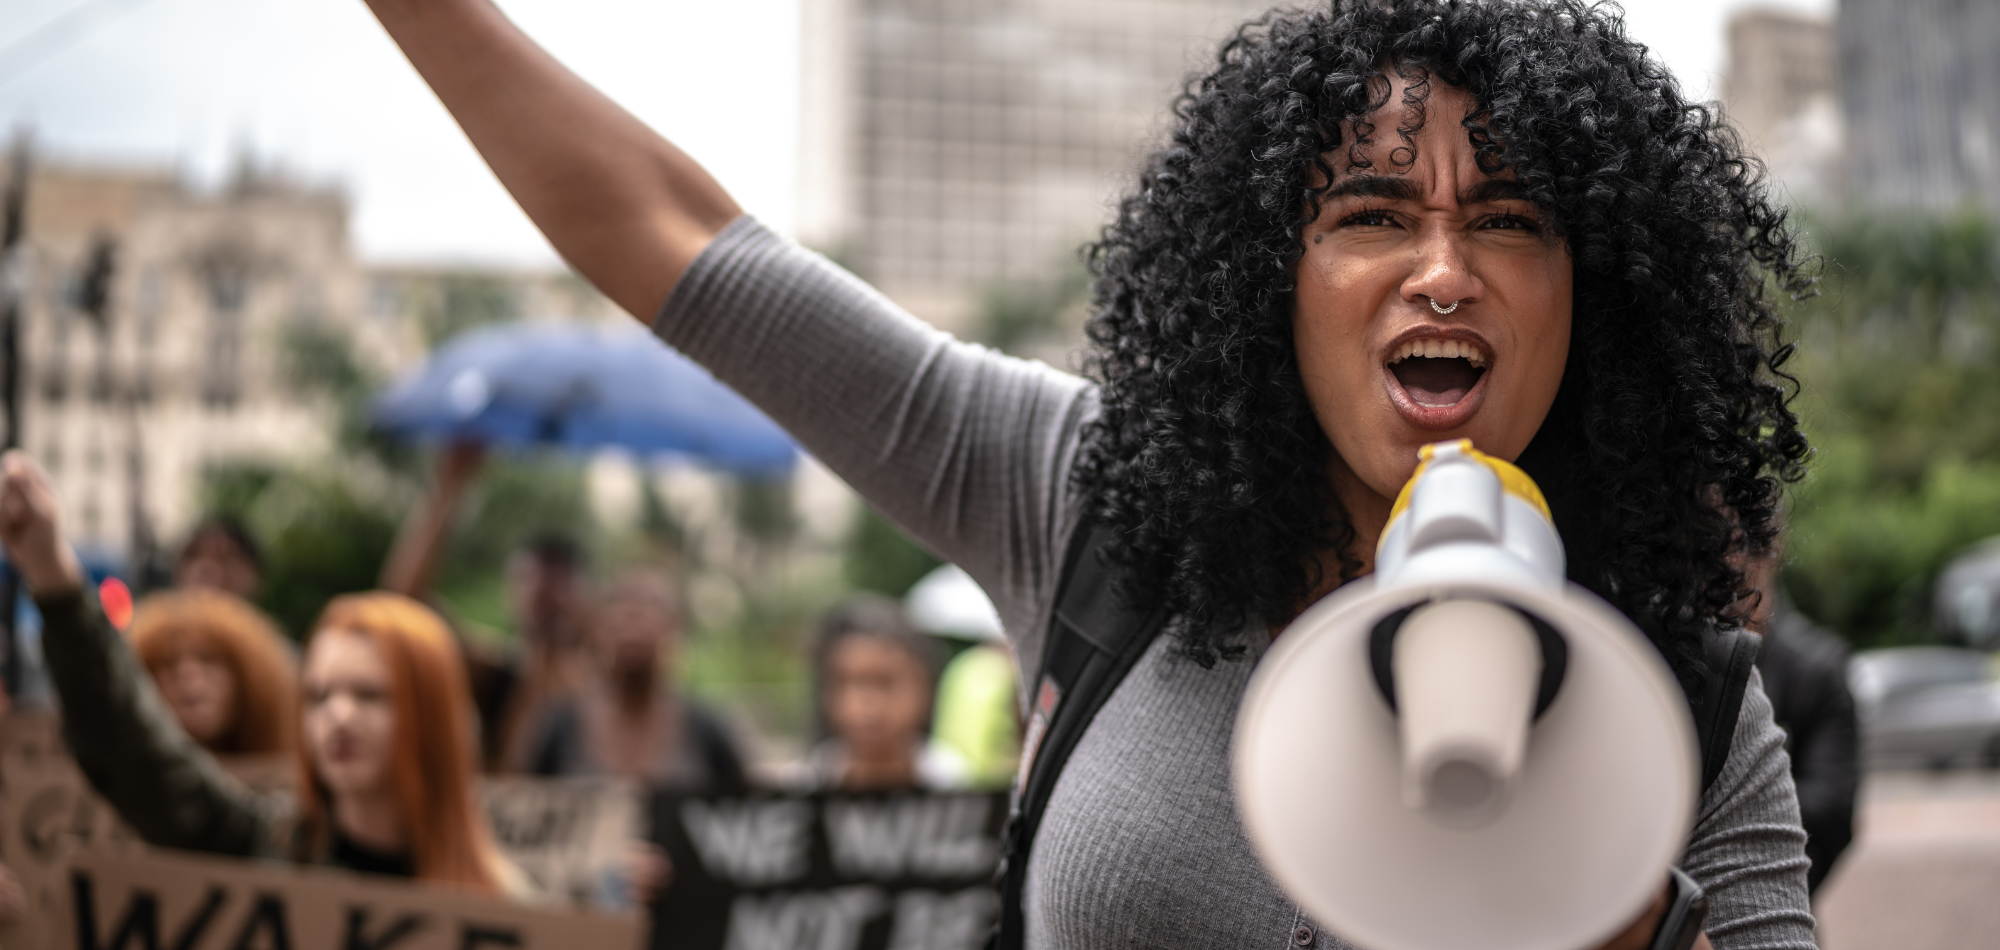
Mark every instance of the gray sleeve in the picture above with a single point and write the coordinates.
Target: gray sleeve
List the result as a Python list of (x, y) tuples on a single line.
[(966, 449), (1748, 850)]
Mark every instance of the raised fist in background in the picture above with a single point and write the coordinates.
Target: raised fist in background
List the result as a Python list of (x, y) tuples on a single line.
[(31, 528)]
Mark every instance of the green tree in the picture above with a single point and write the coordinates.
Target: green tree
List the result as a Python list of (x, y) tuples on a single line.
[(326, 524), (515, 498), (323, 533), (1900, 393), (1014, 316), (881, 558), (460, 302)]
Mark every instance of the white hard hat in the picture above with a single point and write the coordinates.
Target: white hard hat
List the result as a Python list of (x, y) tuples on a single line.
[(949, 602)]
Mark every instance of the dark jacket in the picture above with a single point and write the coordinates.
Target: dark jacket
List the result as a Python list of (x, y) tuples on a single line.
[(134, 752), (1805, 674), (705, 760)]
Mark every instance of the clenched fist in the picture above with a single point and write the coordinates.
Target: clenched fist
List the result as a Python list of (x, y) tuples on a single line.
[(31, 528)]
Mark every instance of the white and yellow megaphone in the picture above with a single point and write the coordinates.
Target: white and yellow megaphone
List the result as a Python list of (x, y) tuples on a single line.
[(1465, 750)]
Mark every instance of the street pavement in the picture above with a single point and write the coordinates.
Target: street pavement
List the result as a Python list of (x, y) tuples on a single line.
[(1924, 870)]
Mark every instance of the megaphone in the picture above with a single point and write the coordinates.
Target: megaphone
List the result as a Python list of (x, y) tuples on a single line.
[(1464, 749)]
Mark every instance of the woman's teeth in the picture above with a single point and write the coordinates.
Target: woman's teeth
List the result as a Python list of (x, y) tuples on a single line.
[(1440, 350)]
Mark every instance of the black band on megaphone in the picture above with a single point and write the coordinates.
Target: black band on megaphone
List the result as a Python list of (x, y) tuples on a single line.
[(1382, 641)]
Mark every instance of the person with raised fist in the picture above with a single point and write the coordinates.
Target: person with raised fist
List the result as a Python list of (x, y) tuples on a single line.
[(385, 757), (1373, 225)]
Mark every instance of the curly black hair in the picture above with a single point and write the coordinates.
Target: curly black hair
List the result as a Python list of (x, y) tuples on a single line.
[(1670, 438)]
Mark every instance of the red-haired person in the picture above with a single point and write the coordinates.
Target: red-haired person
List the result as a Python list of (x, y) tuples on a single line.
[(385, 756), (222, 668)]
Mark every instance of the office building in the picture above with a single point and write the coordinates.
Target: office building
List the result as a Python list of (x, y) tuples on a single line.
[(952, 148)]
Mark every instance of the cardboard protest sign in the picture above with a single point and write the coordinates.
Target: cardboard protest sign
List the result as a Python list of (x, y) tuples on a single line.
[(162, 899), (828, 872), (567, 835), (49, 812), (31, 734)]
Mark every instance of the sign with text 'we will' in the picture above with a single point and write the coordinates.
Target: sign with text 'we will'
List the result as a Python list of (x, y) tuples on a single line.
[(829, 872)]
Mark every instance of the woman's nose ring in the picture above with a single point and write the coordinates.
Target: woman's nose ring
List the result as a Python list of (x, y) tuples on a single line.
[(1434, 305)]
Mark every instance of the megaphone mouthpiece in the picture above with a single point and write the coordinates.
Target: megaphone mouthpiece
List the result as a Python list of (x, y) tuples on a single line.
[(1467, 672)]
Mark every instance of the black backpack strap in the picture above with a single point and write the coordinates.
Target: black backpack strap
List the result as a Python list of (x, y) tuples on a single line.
[(1094, 639), (1731, 655)]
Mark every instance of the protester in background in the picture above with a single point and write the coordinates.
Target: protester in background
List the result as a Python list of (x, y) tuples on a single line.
[(385, 765), (548, 588), (630, 720), (877, 677), (547, 593), (977, 715), (222, 668), (1805, 674), (221, 555)]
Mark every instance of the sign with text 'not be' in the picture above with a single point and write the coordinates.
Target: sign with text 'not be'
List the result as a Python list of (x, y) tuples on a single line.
[(829, 872)]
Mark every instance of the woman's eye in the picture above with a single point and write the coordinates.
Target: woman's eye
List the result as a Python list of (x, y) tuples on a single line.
[(1369, 219), (1510, 222)]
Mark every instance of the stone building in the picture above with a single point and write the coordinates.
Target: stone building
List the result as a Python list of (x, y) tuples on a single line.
[(212, 293), (437, 301), (1920, 95), (951, 147), (184, 363), (1781, 88)]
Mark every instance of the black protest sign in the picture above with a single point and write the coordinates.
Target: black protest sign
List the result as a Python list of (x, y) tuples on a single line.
[(166, 900), (828, 872)]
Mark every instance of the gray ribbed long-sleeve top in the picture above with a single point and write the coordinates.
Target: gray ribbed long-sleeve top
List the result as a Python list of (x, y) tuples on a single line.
[(970, 451)]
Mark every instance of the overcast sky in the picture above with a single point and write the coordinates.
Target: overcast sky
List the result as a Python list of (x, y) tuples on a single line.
[(318, 87)]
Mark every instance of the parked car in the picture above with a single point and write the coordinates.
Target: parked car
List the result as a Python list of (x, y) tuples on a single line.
[(1966, 601), (1926, 707)]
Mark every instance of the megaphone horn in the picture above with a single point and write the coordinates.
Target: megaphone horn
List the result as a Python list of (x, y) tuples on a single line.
[(1466, 750)]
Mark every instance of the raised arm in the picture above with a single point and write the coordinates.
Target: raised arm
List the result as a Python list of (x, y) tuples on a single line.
[(622, 205), (968, 450), (412, 561), (123, 736)]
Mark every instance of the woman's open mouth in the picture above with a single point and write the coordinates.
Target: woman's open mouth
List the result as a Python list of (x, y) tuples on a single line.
[(1436, 382)]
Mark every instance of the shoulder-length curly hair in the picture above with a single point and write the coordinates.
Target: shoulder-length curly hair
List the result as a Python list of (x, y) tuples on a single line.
[(1670, 436), (171, 624)]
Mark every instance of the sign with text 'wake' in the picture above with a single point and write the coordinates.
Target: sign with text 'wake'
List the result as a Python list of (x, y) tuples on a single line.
[(161, 900)]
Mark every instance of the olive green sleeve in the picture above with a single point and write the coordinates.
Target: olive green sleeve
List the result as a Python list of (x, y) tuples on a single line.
[(131, 748)]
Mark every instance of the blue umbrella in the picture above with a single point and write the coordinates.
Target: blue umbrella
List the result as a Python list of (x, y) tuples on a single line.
[(582, 387)]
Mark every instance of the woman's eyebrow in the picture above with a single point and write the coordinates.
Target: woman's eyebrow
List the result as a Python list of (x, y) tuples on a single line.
[(1398, 188), (1494, 189), (1375, 186)]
